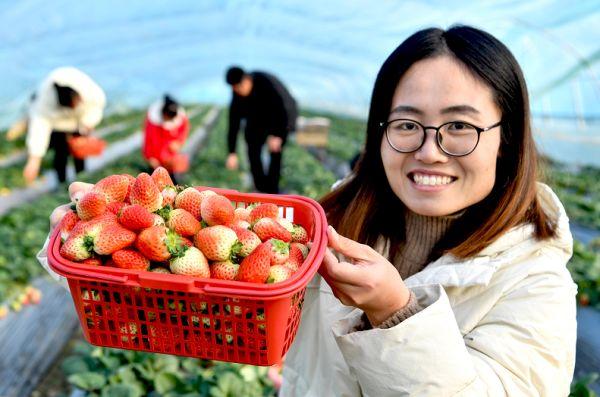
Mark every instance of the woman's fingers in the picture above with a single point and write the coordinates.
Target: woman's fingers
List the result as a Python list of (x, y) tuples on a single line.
[(57, 215), (336, 272), (347, 247), (78, 189)]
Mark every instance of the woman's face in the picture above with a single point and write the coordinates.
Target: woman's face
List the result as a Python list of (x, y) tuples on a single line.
[(435, 91)]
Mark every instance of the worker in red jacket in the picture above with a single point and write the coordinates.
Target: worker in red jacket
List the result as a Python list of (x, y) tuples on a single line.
[(165, 130)]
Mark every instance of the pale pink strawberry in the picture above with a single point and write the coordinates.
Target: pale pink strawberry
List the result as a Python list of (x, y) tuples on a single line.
[(92, 262), (76, 247), (145, 193), (241, 224), (278, 273), (158, 220), (218, 243), (241, 214), (278, 250), (135, 217), (67, 224), (106, 217), (183, 222), (115, 207), (160, 270), (190, 200), (114, 188), (267, 228), (299, 235), (169, 193), (263, 210), (216, 210), (91, 205), (301, 247), (130, 259), (291, 265), (111, 238), (157, 243), (162, 178), (226, 270), (289, 226), (206, 193), (255, 267), (248, 239), (191, 263)]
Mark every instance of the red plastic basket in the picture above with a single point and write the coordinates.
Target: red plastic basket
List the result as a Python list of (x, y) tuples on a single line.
[(197, 317)]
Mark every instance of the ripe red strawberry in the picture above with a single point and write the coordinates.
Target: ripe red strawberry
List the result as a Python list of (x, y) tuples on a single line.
[(255, 267), (299, 235), (296, 257), (218, 242), (92, 262), (278, 273), (146, 193), (130, 259), (67, 223), (169, 193), (76, 247), (183, 222), (111, 238), (248, 239), (91, 205), (135, 217), (115, 207), (191, 263), (226, 270), (278, 250), (162, 178), (190, 200), (301, 247), (241, 214), (157, 243), (186, 242), (267, 228), (216, 210), (114, 187), (263, 210), (131, 180)]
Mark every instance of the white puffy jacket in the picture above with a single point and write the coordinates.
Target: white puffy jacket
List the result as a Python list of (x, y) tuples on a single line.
[(498, 324)]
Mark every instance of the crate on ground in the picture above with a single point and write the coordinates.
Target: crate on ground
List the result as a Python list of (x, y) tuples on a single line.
[(312, 131), (197, 317)]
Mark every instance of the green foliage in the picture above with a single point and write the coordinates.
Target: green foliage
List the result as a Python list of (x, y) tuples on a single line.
[(580, 387), (114, 373), (585, 270)]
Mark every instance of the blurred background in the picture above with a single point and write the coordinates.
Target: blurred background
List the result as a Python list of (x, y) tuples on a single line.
[(327, 54)]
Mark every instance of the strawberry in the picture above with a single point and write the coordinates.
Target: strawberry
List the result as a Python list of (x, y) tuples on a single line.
[(218, 243), (225, 270), (289, 226), (91, 205), (241, 224), (131, 180), (169, 193), (192, 263), (158, 220), (255, 267), (296, 257), (92, 262), (206, 193), (278, 250), (248, 239), (130, 259), (145, 193), (183, 222), (190, 200), (160, 270), (299, 235), (114, 188), (301, 247), (111, 238), (67, 223), (267, 228), (115, 207), (135, 217), (75, 248), (241, 214), (186, 242), (157, 243), (278, 273), (162, 178), (264, 210), (216, 210), (293, 266)]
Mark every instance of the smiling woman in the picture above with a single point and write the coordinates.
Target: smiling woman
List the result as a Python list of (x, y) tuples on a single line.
[(451, 278)]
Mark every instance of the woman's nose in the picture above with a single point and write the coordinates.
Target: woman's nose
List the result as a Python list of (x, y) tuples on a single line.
[(430, 152)]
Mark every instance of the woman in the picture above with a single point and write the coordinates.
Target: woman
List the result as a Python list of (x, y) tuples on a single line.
[(166, 128), (451, 279)]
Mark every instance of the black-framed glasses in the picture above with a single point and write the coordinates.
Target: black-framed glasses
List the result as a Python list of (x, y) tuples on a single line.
[(454, 138)]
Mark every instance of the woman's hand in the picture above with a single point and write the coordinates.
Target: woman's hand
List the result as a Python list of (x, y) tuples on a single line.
[(32, 169), (274, 143), (368, 281), (76, 191)]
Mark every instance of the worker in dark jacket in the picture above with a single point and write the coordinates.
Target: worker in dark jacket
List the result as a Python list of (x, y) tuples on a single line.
[(270, 113)]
